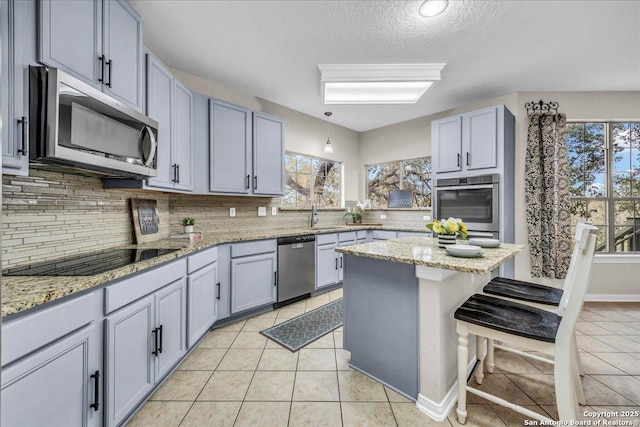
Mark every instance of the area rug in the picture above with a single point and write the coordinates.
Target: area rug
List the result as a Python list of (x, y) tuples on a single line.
[(297, 332)]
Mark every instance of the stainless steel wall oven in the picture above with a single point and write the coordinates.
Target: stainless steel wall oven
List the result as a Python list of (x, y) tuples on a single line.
[(475, 200)]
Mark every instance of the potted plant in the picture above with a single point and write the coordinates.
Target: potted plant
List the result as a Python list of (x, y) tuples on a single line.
[(448, 230), (356, 212), (187, 224)]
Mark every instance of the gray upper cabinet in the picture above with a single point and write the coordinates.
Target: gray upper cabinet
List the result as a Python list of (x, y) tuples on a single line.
[(123, 48), (246, 151), (56, 386), (446, 144), (170, 103), (231, 145), (97, 41), (479, 138), (268, 154), (18, 50)]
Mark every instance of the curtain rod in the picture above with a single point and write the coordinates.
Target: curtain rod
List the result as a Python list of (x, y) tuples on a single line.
[(541, 107)]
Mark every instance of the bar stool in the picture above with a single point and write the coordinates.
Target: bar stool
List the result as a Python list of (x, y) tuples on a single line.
[(532, 328), (535, 295)]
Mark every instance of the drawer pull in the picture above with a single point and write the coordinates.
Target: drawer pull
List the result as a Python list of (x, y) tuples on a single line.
[(96, 391)]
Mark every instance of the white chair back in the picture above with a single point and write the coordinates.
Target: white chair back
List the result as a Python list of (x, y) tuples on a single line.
[(577, 247)]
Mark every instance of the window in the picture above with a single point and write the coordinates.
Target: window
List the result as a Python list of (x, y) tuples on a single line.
[(412, 174), (604, 161), (310, 181)]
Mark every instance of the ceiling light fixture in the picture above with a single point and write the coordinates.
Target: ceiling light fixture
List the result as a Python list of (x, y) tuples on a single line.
[(432, 8), (328, 148), (376, 83)]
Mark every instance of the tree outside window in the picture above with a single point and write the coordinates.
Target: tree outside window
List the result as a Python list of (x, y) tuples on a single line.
[(412, 174), (311, 180), (604, 161)]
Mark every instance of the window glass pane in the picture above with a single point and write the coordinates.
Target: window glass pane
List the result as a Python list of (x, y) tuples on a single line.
[(586, 154), (290, 163), (622, 184), (304, 164), (635, 146), (417, 177), (382, 178), (595, 212), (311, 180), (627, 229)]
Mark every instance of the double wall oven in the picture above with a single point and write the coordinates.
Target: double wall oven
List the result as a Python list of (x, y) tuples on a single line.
[(474, 199)]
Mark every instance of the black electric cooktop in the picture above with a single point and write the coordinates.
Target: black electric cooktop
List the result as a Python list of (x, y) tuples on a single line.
[(88, 264)]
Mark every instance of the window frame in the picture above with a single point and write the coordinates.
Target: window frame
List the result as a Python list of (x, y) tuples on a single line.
[(609, 199), (312, 174), (402, 179)]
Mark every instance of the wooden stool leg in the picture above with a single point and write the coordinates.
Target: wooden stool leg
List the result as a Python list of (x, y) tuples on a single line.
[(463, 354), (575, 374), (578, 361), (490, 358), (480, 356)]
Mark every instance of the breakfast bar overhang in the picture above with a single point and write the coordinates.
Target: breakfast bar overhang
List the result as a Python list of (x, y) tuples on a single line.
[(399, 300)]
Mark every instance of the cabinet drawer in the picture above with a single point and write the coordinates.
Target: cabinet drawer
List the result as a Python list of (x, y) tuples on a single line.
[(324, 239), (200, 259), (253, 248), (124, 292), (384, 235), (31, 332), (361, 234), (348, 236)]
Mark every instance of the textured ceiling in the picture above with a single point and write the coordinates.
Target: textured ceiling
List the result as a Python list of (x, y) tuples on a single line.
[(271, 49)]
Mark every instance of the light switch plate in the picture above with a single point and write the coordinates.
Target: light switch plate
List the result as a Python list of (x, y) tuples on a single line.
[(274, 211), (262, 211), (383, 216), (232, 211), (426, 217)]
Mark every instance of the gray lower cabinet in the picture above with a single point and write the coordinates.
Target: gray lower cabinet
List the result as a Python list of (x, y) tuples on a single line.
[(224, 278), (97, 41), (383, 235), (60, 385), (203, 294), (144, 340), (341, 258), (253, 281), (327, 265)]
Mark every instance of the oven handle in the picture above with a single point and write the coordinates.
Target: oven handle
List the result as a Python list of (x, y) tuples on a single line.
[(467, 187)]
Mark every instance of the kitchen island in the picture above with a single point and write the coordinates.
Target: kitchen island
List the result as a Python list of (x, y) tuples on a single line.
[(399, 300)]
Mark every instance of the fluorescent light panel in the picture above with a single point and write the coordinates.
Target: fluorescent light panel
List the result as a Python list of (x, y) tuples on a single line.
[(376, 83), (374, 92)]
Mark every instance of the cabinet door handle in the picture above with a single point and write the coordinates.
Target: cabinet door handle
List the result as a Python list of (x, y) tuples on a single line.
[(160, 346), (336, 263), (218, 285), (177, 173), (247, 183), (340, 262), (96, 391), (255, 182), (23, 122), (458, 159), (275, 278), (468, 158), (110, 65), (155, 342), (101, 59)]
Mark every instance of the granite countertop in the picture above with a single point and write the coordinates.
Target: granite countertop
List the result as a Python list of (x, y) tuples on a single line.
[(424, 251), (21, 293)]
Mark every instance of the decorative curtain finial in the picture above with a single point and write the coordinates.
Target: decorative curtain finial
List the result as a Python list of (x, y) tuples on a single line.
[(541, 107)]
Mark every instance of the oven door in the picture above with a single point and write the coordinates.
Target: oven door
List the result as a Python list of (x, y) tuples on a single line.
[(476, 205)]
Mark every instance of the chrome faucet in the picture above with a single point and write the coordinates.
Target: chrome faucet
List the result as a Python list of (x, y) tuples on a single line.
[(314, 215)]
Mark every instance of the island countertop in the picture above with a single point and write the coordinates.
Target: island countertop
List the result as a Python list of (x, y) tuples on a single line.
[(424, 251)]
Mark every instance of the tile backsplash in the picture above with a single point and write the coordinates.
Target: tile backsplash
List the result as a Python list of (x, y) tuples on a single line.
[(49, 215)]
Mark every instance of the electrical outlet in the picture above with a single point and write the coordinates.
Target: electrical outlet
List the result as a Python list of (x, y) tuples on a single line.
[(232, 211), (262, 211), (274, 211), (426, 217), (383, 216)]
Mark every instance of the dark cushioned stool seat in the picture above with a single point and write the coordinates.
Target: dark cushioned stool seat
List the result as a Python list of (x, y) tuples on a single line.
[(510, 317), (524, 291)]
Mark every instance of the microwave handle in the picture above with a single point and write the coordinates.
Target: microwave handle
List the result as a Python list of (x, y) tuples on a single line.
[(154, 146)]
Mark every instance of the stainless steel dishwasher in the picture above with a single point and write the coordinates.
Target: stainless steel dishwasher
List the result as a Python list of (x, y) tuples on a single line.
[(296, 268)]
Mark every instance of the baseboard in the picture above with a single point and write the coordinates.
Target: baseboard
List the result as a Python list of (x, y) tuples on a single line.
[(612, 297), (439, 410)]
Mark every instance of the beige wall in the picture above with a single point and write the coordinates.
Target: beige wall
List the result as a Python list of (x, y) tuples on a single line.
[(303, 133)]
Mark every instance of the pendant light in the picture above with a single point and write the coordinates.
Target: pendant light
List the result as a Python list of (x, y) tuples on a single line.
[(432, 8), (328, 148)]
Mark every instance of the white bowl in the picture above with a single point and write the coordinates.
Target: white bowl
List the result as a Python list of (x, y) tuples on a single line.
[(484, 242)]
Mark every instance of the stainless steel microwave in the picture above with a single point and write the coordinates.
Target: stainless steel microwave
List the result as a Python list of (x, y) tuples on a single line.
[(475, 200), (75, 128)]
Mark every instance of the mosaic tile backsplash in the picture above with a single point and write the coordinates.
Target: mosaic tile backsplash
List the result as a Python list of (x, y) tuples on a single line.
[(50, 215)]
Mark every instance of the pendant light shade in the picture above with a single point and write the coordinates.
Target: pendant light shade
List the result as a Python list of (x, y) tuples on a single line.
[(328, 148)]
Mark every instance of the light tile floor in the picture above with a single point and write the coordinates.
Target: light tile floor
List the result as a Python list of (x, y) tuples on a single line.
[(236, 377)]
